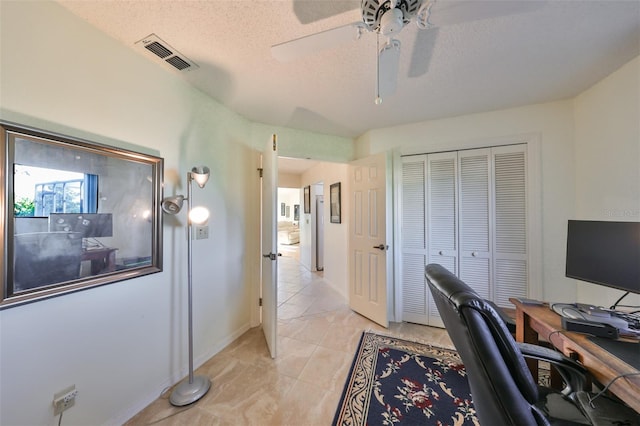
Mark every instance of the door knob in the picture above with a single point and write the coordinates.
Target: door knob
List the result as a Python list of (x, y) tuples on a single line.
[(381, 247), (272, 256)]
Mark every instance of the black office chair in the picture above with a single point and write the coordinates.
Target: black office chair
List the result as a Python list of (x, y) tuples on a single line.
[(503, 390)]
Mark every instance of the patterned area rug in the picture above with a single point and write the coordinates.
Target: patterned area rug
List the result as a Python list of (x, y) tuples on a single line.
[(398, 382)]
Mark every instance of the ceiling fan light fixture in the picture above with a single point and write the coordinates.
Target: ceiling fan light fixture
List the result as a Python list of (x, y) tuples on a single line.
[(391, 22)]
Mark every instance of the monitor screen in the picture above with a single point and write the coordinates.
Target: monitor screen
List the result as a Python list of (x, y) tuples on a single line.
[(605, 253), (90, 225)]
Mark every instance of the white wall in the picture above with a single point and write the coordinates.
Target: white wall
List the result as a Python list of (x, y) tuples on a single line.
[(336, 236), (551, 124), (607, 158), (290, 197), (122, 343)]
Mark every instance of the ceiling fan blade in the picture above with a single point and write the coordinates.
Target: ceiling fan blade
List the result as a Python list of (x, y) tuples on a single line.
[(459, 11), (303, 46), (422, 50), (311, 11), (388, 60)]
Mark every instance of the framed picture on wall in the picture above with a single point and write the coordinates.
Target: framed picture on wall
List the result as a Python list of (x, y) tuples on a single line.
[(282, 209), (334, 202), (296, 212), (288, 211), (307, 199)]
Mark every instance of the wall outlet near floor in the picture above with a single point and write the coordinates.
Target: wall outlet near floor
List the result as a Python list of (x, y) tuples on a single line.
[(64, 399), (201, 232)]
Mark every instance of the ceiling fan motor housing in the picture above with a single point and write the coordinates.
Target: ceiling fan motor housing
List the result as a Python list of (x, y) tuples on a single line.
[(373, 13)]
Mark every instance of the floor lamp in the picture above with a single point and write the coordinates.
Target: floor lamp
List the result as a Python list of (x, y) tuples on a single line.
[(192, 389)]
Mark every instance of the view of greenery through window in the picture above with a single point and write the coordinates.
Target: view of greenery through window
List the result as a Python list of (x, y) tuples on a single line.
[(39, 191)]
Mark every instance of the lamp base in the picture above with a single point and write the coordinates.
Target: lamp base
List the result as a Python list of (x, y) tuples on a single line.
[(187, 393)]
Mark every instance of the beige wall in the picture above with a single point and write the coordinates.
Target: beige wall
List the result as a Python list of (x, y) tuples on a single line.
[(288, 180), (122, 344), (336, 234), (60, 74), (290, 197), (590, 162), (607, 158), (551, 124)]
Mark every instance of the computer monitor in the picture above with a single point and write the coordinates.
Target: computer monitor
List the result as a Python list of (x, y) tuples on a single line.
[(89, 225), (605, 253)]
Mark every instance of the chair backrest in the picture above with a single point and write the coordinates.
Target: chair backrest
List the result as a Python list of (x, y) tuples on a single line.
[(45, 258), (502, 387)]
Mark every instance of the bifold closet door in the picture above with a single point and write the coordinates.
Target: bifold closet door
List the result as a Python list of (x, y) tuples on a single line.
[(465, 210), (475, 224), (415, 294), (510, 258), (442, 209)]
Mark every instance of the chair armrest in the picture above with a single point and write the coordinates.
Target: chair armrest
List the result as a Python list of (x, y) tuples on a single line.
[(573, 374)]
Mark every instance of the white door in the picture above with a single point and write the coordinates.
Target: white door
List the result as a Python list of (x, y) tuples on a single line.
[(269, 237), (510, 252), (320, 233), (416, 296), (475, 225), (442, 218), (369, 255), (475, 210)]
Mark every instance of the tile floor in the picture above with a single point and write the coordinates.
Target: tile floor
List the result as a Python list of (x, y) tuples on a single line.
[(317, 338)]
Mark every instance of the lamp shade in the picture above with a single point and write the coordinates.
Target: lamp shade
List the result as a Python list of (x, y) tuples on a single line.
[(172, 205), (201, 175)]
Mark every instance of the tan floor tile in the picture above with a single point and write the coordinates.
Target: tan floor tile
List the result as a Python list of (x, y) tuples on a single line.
[(342, 338), (327, 369), (317, 338), (307, 329), (308, 405), (293, 355)]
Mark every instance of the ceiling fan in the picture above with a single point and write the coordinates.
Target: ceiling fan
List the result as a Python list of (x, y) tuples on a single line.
[(386, 18)]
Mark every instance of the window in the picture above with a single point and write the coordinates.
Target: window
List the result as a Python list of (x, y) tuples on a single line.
[(40, 191)]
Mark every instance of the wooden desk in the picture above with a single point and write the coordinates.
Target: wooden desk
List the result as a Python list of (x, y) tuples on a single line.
[(534, 322), (102, 259)]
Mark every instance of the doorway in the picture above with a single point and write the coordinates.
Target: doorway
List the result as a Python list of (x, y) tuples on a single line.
[(319, 232)]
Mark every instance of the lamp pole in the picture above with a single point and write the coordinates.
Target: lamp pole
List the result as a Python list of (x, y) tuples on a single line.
[(193, 388), (190, 272)]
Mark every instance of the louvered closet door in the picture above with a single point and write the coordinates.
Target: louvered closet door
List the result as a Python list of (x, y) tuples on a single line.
[(415, 294), (475, 225), (510, 243), (442, 224), (442, 217)]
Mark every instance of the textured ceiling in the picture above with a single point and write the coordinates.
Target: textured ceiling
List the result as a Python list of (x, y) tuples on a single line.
[(554, 50)]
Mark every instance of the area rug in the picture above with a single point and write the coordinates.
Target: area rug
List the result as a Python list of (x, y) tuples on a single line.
[(399, 382)]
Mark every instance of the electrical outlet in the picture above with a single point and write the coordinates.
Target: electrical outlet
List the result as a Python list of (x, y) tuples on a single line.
[(201, 232), (64, 399)]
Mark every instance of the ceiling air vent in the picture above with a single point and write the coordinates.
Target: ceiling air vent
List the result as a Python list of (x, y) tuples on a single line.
[(162, 51)]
